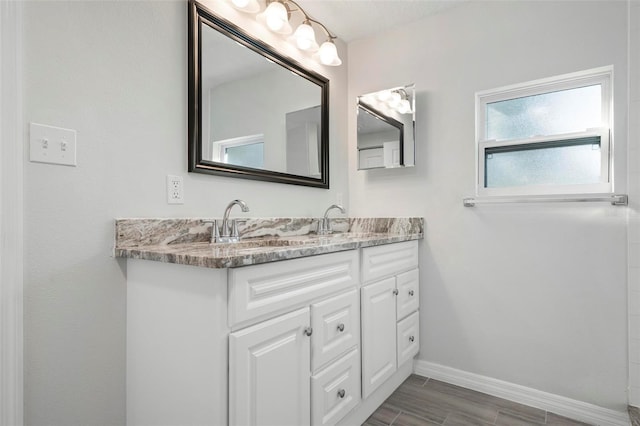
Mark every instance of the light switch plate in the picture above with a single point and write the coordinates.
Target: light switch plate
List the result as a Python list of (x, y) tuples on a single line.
[(52, 145)]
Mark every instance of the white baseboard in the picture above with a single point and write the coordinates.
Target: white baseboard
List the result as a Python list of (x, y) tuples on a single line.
[(556, 404)]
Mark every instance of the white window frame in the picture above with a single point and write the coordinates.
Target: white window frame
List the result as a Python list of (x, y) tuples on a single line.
[(219, 147), (602, 76)]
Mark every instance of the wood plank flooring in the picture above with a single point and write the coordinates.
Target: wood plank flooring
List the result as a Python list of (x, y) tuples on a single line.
[(425, 402)]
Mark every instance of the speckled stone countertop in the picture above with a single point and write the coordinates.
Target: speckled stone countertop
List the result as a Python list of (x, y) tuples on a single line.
[(186, 241)]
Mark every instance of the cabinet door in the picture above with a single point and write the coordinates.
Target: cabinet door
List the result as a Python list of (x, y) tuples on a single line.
[(378, 334), (336, 327), (269, 372), (408, 337), (408, 300), (335, 390)]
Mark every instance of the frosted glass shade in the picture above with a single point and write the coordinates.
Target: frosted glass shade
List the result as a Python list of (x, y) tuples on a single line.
[(328, 54), (304, 38), (276, 18), (404, 107), (249, 6)]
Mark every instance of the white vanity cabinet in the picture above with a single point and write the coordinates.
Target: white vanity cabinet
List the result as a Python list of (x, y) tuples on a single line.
[(302, 366), (390, 316), (292, 342)]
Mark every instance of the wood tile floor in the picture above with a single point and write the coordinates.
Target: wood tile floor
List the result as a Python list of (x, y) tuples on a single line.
[(424, 402)]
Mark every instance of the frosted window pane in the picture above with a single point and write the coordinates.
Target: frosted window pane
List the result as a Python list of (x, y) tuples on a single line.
[(565, 111), (565, 164), (250, 155)]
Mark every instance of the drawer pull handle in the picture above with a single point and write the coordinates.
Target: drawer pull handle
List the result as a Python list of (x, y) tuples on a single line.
[(411, 339), (308, 331), (341, 327), (341, 393), (410, 292), (395, 291)]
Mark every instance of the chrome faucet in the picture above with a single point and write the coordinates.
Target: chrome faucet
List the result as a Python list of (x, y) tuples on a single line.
[(228, 232), (324, 224)]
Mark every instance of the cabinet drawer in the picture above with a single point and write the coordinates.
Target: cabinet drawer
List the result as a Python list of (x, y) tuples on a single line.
[(259, 291), (388, 259), (336, 390), (408, 299), (336, 327), (408, 337)]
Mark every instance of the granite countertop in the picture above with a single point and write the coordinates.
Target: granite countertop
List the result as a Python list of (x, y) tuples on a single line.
[(186, 241)]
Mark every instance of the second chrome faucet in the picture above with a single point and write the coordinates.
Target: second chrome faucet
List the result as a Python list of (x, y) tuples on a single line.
[(324, 224)]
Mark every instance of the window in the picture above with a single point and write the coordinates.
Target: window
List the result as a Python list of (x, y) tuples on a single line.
[(545, 137), (246, 151)]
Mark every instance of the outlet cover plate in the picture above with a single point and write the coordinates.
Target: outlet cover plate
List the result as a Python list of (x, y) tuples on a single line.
[(175, 190)]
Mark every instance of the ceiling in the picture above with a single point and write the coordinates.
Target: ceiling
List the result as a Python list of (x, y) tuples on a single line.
[(354, 19)]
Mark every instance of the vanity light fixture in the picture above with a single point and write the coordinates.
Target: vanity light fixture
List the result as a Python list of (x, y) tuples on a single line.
[(276, 18)]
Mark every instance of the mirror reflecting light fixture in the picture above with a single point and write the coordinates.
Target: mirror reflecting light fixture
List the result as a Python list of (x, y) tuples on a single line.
[(395, 99), (276, 18)]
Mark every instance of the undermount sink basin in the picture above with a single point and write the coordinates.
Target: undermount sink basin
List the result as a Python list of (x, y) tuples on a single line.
[(292, 241), (262, 242)]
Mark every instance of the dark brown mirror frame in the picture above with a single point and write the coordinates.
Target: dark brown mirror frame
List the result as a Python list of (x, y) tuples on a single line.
[(197, 15)]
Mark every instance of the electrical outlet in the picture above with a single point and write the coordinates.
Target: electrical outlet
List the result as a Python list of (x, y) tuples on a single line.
[(175, 190)]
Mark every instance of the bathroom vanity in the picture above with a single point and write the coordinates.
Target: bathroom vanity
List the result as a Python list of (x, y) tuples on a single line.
[(279, 329)]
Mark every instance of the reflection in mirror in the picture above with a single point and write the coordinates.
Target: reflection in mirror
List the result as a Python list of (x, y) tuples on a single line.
[(386, 128), (253, 113)]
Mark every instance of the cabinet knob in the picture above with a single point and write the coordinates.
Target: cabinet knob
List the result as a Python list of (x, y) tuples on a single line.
[(341, 393), (308, 331), (411, 338), (410, 292), (341, 327), (395, 291)]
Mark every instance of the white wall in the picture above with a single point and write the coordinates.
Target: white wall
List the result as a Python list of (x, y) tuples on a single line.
[(529, 294), (634, 203), (117, 73)]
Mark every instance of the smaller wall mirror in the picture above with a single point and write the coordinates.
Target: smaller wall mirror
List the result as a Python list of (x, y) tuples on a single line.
[(386, 128)]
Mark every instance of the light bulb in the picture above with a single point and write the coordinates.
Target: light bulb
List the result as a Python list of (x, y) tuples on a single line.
[(250, 6), (383, 95), (328, 54), (394, 100), (305, 38), (276, 18), (404, 107)]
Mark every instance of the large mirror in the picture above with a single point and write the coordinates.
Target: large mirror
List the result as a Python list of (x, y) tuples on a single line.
[(386, 128), (253, 113)]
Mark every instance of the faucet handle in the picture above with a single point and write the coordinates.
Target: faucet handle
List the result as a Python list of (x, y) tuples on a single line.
[(215, 231), (234, 227), (324, 226)]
